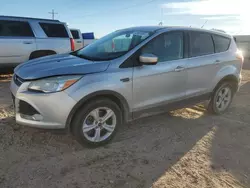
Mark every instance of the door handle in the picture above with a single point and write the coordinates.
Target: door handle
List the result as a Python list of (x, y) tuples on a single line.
[(179, 68), (125, 79), (79, 42), (27, 42), (217, 62)]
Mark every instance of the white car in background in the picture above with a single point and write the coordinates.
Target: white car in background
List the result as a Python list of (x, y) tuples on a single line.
[(77, 36), (23, 39)]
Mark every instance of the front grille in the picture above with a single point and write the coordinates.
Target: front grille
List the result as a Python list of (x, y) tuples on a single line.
[(27, 109), (18, 81)]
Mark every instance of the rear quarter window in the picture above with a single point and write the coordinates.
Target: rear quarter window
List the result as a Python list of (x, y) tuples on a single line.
[(75, 34), (221, 43), (15, 29), (54, 30)]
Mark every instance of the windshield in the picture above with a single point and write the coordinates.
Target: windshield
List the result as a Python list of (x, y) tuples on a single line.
[(113, 45)]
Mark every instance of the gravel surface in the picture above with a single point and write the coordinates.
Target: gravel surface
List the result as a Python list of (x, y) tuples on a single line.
[(184, 148)]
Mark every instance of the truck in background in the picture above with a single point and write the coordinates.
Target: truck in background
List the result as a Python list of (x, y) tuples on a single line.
[(77, 36), (88, 38), (24, 38)]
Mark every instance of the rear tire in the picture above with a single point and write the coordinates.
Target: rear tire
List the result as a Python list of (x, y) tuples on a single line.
[(89, 127), (221, 98)]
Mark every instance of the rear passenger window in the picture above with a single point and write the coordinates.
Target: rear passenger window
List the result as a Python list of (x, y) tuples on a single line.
[(54, 30), (15, 29), (166, 47), (200, 44), (75, 34), (221, 43)]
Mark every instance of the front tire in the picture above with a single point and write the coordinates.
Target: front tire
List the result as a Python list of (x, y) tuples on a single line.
[(97, 122), (221, 98)]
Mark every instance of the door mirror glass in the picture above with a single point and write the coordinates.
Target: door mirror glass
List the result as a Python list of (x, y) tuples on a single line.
[(148, 59)]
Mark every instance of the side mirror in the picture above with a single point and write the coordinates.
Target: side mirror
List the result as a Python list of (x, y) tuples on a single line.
[(148, 59)]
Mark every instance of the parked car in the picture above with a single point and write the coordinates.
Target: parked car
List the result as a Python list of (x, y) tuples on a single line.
[(77, 36), (23, 39), (126, 75)]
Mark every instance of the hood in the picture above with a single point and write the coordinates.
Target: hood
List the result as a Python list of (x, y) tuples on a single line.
[(55, 65)]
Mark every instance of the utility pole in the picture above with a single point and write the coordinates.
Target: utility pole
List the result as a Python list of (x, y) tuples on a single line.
[(53, 14)]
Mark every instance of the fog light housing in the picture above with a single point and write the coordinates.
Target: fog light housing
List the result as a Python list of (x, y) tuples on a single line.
[(35, 117)]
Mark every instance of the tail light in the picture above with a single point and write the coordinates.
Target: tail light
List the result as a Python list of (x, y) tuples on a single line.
[(72, 44), (240, 56)]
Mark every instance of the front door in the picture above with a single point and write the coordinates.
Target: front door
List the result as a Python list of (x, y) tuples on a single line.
[(163, 83)]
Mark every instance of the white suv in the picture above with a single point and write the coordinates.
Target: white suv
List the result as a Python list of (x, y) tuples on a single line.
[(22, 39)]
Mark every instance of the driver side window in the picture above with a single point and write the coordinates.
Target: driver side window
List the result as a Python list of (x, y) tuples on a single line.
[(167, 46)]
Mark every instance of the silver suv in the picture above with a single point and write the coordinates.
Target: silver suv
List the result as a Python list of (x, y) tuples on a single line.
[(125, 75), (22, 39)]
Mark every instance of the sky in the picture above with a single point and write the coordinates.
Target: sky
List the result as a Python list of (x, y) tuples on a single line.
[(105, 16)]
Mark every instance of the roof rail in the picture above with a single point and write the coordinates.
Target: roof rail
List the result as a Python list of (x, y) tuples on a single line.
[(28, 18), (219, 30)]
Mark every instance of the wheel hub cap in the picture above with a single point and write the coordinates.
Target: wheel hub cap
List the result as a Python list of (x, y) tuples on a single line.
[(99, 124)]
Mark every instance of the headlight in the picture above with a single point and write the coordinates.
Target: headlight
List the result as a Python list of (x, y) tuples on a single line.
[(53, 84)]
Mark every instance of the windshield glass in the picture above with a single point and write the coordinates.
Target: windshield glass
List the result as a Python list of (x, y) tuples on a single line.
[(113, 45)]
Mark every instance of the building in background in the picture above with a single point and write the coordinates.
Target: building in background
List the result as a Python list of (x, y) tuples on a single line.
[(243, 43)]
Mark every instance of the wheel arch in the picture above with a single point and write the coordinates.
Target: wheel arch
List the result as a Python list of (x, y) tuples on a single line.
[(229, 78), (112, 95)]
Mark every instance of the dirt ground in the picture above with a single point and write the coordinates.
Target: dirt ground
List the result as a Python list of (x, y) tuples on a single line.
[(186, 148)]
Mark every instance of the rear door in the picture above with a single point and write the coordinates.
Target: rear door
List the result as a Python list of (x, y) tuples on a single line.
[(53, 36), (77, 36), (202, 63), (17, 41)]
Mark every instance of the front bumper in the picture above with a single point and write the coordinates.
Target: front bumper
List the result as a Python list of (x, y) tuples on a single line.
[(49, 111)]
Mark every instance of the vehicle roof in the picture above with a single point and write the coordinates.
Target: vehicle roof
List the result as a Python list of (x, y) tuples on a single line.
[(25, 18), (169, 28)]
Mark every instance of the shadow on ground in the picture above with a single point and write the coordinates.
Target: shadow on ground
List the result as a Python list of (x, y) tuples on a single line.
[(231, 143)]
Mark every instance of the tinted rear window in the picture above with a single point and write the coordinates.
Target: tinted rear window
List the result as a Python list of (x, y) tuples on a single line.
[(15, 29), (221, 43), (200, 44), (75, 34), (54, 30)]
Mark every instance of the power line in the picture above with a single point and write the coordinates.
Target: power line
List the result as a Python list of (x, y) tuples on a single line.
[(53, 14), (121, 9)]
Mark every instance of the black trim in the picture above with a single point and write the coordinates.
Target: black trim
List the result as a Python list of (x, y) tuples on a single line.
[(230, 42), (18, 80), (171, 106), (125, 79), (189, 43), (26, 109), (213, 43), (125, 107), (186, 44)]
